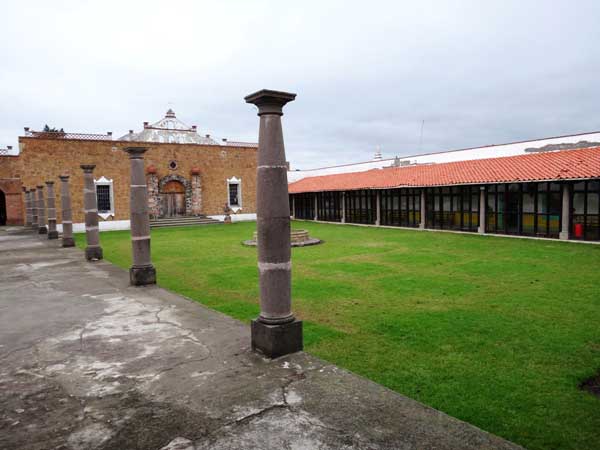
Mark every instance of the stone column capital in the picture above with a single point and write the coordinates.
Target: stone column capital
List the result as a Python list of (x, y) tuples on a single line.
[(23, 188), (88, 168), (64, 177), (270, 102), (32, 190), (49, 183), (136, 152), (40, 186)]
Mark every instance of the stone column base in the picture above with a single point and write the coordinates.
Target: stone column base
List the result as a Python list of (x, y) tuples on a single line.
[(52, 234), (274, 341), (68, 242), (93, 253), (564, 235), (481, 230), (142, 276), (42, 230)]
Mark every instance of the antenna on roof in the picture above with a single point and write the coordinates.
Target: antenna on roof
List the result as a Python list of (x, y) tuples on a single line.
[(421, 137)]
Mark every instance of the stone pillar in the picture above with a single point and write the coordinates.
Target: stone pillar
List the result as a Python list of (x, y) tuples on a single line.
[(276, 332), (142, 271), (196, 192), (482, 210), (565, 231), (41, 207), (344, 207), (423, 210), (378, 208), (316, 207), (34, 213), (27, 207), (52, 233), (93, 251), (66, 214)]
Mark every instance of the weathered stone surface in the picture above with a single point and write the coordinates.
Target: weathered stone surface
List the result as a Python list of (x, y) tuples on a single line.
[(34, 210), (142, 272), (94, 363), (142, 276), (93, 251), (67, 215), (273, 231), (278, 340), (41, 210), (52, 233)]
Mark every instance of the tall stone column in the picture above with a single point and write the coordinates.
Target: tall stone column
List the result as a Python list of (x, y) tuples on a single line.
[(41, 207), (565, 229), (52, 233), (316, 207), (34, 213), (142, 271), (482, 210), (27, 207), (93, 251), (66, 213), (276, 332), (423, 223), (344, 207)]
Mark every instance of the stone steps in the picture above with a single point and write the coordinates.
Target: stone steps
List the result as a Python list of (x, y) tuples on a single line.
[(182, 221)]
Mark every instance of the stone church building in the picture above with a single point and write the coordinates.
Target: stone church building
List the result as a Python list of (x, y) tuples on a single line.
[(187, 174)]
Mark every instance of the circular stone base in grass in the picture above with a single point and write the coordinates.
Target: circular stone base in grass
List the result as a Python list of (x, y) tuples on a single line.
[(299, 238)]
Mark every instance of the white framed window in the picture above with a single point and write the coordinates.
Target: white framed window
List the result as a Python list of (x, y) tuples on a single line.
[(105, 197), (234, 194)]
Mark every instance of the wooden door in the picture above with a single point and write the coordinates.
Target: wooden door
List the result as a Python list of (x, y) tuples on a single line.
[(173, 199)]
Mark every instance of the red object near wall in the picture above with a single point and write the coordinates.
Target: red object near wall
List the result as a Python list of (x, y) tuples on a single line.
[(578, 230)]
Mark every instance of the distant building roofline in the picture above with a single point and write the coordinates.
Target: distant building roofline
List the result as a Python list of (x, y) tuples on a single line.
[(447, 151)]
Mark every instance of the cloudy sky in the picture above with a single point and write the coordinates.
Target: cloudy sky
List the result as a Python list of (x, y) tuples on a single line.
[(366, 73)]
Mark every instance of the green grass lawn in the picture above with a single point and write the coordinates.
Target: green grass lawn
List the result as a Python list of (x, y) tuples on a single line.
[(498, 332)]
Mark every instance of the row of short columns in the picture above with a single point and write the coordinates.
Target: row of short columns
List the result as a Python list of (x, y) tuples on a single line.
[(565, 217), (276, 331), (36, 206), (142, 271)]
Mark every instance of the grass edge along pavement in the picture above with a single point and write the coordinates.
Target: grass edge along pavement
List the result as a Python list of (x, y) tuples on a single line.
[(495, 331)]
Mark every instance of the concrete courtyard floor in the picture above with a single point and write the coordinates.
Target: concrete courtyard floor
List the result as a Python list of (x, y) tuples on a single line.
[(88, 362)]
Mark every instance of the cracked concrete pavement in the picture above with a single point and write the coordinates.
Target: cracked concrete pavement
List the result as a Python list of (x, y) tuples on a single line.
[(88, 362)]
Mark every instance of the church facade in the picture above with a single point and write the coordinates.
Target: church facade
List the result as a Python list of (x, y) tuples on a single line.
[(186, 174)]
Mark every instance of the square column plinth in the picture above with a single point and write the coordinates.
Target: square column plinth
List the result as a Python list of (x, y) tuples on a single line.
[(277, 340), (141, 276)]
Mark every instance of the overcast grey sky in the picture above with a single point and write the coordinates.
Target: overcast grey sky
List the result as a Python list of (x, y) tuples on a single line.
[(366, 73)]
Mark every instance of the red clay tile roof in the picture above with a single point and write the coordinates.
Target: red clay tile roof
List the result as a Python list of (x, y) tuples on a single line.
[(559, 165)]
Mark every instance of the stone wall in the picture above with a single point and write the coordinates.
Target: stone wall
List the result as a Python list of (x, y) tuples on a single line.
[(15, 201), (45, 159)]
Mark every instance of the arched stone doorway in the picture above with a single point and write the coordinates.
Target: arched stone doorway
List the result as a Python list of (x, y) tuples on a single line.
[(172, 196), (2, 208)]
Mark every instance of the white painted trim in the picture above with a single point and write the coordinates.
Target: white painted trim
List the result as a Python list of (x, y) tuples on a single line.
[(236, 217), (109, 225), (238, 181), (103, 181)]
